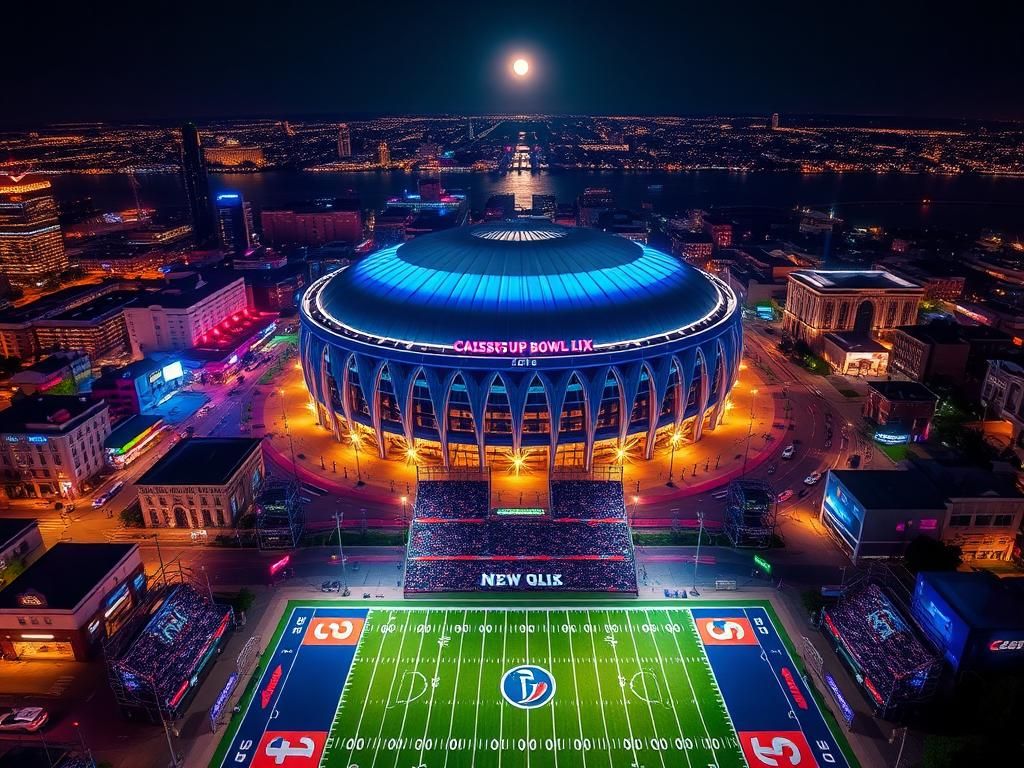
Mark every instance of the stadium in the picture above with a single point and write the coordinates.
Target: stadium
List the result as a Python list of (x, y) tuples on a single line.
[(519, 342)]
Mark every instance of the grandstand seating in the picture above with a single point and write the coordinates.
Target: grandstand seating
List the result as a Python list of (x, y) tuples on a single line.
[(453, 540), (895, 662), (172, 647)]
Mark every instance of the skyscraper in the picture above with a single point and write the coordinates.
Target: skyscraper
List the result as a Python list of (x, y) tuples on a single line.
[(234, 222), (775, 120), (545, 205), (344, 141), (31, 245), (197, 186), (469, 125), (383, 154)]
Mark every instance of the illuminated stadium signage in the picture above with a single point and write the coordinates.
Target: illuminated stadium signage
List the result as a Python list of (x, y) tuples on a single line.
[(1006, 645), (892, 438), (844, 705), (519, 511), (516, 348), (517, 579)]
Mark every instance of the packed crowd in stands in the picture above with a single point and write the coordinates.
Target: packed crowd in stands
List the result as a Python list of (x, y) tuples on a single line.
[(575, 575), (587, 499), (451, 499), (170, 648), (891, 654), (453, 541), (498, 538)]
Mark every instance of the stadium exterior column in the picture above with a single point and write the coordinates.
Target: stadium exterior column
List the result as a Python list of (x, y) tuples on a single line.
[(723, 366), (593, 390), (517, 387), (660, 372), (628, 377), (554, 389), (702, 401), (339, 370), (478, 386), (325, 396), (402, 377), (369, 370)]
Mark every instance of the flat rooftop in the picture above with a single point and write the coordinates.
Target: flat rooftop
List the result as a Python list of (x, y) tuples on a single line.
[(65, 574), (982, 599), (201, 461), (182, 296), (911, 391), (891, 489), (97, 309), (855, 342), (12, 528), (44, 412), (842, 280)]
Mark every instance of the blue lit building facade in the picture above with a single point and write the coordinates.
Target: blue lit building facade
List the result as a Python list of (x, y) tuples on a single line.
[(519, 339)]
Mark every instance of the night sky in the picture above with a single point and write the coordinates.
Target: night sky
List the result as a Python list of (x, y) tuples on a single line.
[(344, 58)]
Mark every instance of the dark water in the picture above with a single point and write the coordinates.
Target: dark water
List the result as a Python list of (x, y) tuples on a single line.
[(956, 202)]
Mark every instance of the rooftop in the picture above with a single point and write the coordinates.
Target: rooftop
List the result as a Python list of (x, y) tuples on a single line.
[(46, 413), (49, 575), (935, 332), (133, 370), (855, 342), (184, 296), (891, 489), (841, 280), (98, 308), (12, 528), (201, 461), (904, 390), (960, 482), (982, 599)]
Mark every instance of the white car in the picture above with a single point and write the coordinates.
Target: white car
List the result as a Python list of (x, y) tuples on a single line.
[(812, 478), (26, 719), (788, 451)]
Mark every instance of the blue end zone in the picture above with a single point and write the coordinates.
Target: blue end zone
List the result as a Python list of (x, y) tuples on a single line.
[(781, 724), (294, 705)]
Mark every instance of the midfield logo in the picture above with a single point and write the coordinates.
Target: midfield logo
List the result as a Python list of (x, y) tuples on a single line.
[(333, 631), (726, 631), (291, 749), (528, 686)]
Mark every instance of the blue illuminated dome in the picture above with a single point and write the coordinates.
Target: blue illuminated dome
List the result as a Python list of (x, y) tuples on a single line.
[(519, 280), (519, 338)]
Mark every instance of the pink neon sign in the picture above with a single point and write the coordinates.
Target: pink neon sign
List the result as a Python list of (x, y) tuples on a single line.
[(516, 347)]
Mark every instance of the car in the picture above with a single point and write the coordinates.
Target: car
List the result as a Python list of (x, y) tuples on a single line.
[(24, 719), (331, 586), (786, 495), (788, 451), (854, 461), (812, 478)]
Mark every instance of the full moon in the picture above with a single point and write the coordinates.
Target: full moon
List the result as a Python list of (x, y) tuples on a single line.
[(520, 67)]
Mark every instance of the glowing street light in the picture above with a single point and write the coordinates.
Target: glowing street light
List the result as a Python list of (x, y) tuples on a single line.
[(405, 507), (676, 438), (355, 439)]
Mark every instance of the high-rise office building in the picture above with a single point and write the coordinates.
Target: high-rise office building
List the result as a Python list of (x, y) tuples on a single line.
[(545, 205), (197, 185), (592, 203), (234, 222), (344, 141), (383, 154), (31, 244), (469, 126), (775, 120), (430, 185)]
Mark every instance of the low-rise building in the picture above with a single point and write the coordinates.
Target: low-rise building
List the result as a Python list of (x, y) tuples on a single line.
[(52, 445), (1002, 394), (901, 411), (854, 354), (138, 387), (66, 602), (61, 373), (203, 482), (20, 539)]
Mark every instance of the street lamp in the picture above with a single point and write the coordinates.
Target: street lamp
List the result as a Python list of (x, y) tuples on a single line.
[(750, 430), (696, 557), (341, 552), (353, 437), (284, 413), (405, 507), (636, 500), (676, 438)]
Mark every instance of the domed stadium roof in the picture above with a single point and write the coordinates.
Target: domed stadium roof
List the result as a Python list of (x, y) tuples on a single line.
[(518, 280)]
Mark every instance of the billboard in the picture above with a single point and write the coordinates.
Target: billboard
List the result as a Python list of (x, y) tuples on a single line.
[(173, 371), (841, 512), (939, 621)]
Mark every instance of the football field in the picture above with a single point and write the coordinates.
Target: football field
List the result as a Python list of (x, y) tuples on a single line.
[(646, 685)]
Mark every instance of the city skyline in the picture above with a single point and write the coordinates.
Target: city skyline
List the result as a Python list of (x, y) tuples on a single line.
[(361, 61)]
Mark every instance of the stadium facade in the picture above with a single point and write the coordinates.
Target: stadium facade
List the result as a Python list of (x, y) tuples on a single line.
[(461, 346)]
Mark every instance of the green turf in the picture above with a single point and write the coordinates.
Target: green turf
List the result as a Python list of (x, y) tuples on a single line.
[(633, 687)]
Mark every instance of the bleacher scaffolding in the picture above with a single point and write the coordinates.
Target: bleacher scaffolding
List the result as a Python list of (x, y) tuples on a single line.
[(603, 472), (750, 515), (134, 704), (280, 520)]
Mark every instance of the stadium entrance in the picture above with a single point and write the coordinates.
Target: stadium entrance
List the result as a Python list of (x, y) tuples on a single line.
[(579, 542)]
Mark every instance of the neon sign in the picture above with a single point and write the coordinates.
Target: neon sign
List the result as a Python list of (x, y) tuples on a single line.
[(1006, 645), (890, 438), (844, 705), (517, 348)]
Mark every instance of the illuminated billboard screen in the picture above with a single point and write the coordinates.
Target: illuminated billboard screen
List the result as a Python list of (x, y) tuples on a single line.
[(173, 371), (938, 619), (842, 512)]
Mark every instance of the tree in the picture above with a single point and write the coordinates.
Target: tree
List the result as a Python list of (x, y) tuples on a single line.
[(131, 516), (244, 599), (927, 554)]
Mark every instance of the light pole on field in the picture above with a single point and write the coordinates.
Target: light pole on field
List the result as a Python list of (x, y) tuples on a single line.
[(696, 557)]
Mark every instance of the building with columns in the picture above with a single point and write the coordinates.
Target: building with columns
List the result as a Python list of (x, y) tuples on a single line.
[(866, 302)]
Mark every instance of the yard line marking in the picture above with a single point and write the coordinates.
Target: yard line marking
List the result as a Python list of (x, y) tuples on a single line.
[(668, 690), (551, 664), (455, 693), (600, 695), (622, 693), (351, 675), (391, 687), (643, 677), (433, 690), (572, 663), (527, 633), (689, 682), (415, 669), (501, 711), (479, 677)]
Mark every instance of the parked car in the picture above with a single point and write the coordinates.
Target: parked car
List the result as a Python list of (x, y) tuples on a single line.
[(854, 461), (331, 586), (788, 451), (24, 719), (786, 495), (812, 478)]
